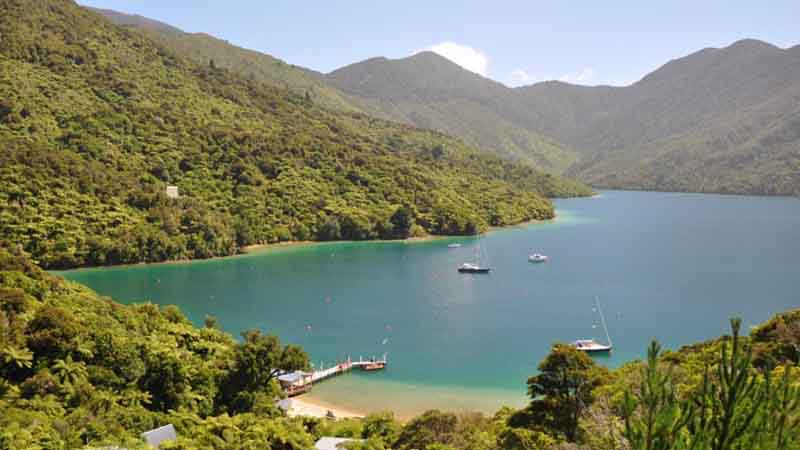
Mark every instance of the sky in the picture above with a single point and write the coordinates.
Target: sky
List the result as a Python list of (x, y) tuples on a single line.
[(514, 42)]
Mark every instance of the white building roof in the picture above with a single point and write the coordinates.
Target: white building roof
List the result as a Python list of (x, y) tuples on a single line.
[(159, 435), (331, 443)]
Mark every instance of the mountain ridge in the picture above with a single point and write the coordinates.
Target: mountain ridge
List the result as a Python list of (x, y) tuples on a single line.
[(598, 133)]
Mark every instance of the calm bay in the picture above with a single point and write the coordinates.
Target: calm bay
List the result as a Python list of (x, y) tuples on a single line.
[(668, 266)]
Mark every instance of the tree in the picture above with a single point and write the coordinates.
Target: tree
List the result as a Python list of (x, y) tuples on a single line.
[(211, 322), (19, 358), (563, 389), (381, 426), (52, 332), (70, 372), (662, 416), (12, 301), (432, 427), (257, 361), (734, 407), (523, 439), (402, 220)]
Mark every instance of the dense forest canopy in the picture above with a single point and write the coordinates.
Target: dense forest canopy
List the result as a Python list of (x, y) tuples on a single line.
[(96, 121)]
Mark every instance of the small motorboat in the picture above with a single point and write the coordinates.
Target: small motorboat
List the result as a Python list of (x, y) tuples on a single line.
[(591, 346), (537, 258), (376, 365), (454, 245), (473, 268)]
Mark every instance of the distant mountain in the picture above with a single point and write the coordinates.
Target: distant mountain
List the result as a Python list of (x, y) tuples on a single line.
[(96, 121), (430, 91), (718, 120)]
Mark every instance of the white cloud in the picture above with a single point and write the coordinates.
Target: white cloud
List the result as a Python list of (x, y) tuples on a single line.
[(467, 57), (583, 76)]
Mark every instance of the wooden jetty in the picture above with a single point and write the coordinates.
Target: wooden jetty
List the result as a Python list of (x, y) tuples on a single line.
[(296, 383)]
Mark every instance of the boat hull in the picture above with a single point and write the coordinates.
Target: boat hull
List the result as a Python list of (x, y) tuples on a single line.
[(595, 350), (463, 270)]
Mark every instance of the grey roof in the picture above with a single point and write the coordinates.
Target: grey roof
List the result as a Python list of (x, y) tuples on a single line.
[(159, 435), (332, 443), (292, 377)]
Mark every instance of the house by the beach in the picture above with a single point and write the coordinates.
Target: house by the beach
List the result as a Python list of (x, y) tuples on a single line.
[(295, 383)]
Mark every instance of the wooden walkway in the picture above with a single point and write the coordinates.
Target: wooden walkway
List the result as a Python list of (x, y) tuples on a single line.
[(322, 374)]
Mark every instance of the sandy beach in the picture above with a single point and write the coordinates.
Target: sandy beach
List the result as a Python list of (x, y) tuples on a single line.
[(310, 407)]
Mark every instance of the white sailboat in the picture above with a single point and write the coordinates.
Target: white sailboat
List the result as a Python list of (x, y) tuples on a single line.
[(592, 346), (475, 267)]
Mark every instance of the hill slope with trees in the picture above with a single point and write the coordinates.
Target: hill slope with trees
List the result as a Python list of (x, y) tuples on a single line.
[(202, 48), (96, 121), (472, 111)]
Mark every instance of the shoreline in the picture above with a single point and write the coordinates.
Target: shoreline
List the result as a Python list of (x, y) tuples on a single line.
[(254, 249), (308, 406)]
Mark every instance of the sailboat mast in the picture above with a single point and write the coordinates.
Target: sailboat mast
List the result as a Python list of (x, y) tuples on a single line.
[(478, 249), (603, 320)]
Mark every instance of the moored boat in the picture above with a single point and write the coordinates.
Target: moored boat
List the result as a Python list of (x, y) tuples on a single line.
[(454, 245), (377, 365), (537, 258), (592, 346), (473, 268)]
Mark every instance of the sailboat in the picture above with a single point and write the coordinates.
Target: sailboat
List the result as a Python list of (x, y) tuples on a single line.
[(475, 267), (592, 346)]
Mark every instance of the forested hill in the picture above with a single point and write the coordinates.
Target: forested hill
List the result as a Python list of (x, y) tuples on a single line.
[(96, 121), (432, 92), (202, 48)]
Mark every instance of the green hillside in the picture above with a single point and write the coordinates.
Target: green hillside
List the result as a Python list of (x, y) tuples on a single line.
[(96, 121), (78, 370), (445, 97), (202, 48), (718, 120)]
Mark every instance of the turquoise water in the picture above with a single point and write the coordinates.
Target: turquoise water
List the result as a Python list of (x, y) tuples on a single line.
[(667, 266)]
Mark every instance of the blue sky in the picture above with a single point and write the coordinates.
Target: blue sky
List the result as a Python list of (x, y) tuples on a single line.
[(514, 42)]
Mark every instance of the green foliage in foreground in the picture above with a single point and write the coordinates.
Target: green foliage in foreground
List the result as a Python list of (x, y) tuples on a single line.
[(96, 121), (78, 370)]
